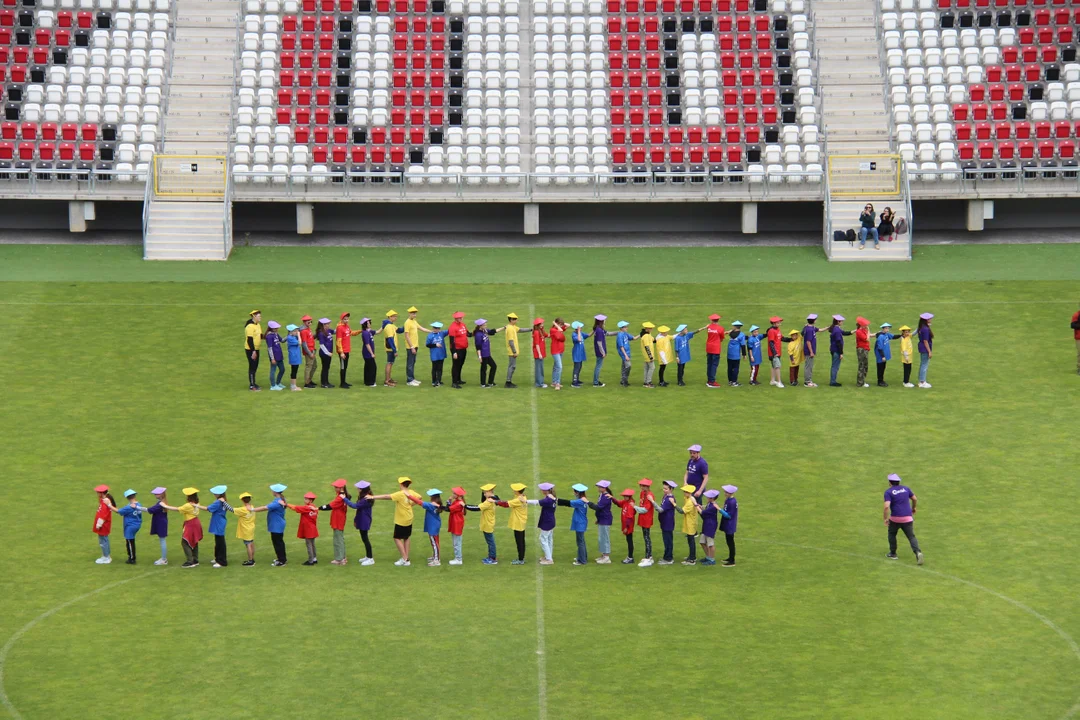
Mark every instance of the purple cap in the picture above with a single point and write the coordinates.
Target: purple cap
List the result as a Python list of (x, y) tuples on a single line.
[(604, 484), (712, 493), (837, 317), (694, 448), (812, 316), (599, 317), (729, 489), (479, 321), (325, 320), (273, 324), (157, 491), (893, 477), (362, 484), (671, 483), (364, 320), (927, 316), (546, 486)]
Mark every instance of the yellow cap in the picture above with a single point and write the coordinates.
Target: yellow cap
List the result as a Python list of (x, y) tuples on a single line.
[(688, 488), (391, 313), (648, 325), (664, 328), (412, 309), (517, 487), (489, 486), (404, 480), (245, 495), (904, 327), (512, 316), (190, 491)]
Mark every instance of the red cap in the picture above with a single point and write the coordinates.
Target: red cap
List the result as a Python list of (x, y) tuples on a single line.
[(538, 321), (339, 483), (458, 491), (862, 321), (309, 496), (101, 488), (714, 316), (776, 318), (305, 318), (628, 493), (646, 482), (458, 315), (345, 315)]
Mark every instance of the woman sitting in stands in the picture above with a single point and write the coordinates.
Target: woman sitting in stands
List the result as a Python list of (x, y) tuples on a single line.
[(885, 226)]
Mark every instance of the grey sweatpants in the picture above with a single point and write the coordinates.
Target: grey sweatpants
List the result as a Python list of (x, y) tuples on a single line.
[(649, 368), (625, 372), (511, 366), (808, 365), (339, 545)]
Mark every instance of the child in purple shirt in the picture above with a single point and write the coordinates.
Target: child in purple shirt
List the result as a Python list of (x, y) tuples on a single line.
[(159, 523), (926, 347), (728, 525)]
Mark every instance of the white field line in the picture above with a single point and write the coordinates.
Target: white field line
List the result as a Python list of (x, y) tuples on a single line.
[(541, 652)]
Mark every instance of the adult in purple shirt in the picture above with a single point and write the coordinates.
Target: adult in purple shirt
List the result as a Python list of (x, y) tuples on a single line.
[(899, 514), (926, 347), (697, 471), (836, 347), (809, 336), (599, 338), (367, 340)]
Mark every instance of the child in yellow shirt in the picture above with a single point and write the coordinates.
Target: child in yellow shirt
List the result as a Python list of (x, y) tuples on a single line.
[(519, 517), (795, 356), (488, 501), (648, 352), (689, 512), (905, 353), (663, 350)]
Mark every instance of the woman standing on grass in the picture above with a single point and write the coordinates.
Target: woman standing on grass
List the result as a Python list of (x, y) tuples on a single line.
[(325, 337), (926, 347), (193, 529), (103, 522), (253, 337), (836, 347)]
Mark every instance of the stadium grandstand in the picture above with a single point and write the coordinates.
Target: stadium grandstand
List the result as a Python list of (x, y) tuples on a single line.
[(192, 107)]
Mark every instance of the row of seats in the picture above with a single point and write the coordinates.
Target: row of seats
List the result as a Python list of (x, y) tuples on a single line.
[(161, 6)]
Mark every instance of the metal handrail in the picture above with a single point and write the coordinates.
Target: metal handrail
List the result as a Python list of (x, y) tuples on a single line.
[(227, 220), (907, 204), (146, 211), (826, 240)]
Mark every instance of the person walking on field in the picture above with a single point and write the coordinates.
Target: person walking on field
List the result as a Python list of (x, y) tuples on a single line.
[(307, 345), (1076, 336), (899, 514), (926, 347), (412, 346)]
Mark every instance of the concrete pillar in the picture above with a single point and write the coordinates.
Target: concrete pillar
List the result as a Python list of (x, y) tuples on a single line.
[(532, 219), (305, 218), (749, 218), (79, 211), (975, 217)]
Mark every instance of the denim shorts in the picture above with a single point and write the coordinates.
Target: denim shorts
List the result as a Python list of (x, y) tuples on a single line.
[(249, 542), (391, 357)]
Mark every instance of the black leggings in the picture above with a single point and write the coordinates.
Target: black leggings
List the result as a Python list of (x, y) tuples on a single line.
[(292, 371), (369, 371), (253, 366), (907, 373), (436, 371), (456, 365), (325, 369), (693, 548), (519, 538), (630, 545), (129, 545), (647, 534), (221, 556), (343, 367), (881, 372), (662, 369), (730, 546), (279, 546), (367, 543), (682, 367), (488, 365)]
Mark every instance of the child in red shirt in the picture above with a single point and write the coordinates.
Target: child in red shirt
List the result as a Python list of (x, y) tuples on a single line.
[(309, 526), (629, 511), (647, 501), (862, 349), (558, 346), (103, 522), (456, 524), (338, 515)]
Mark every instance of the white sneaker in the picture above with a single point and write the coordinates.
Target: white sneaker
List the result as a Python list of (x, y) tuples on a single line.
[(161, 561), (215, 565), (455, 561), (908, 385), (103, 561), (414, 383), (779, 384), (367, 561), (927, 385), (399, 562), (865, 385), (406, 564), (647, 562), (603, 561)]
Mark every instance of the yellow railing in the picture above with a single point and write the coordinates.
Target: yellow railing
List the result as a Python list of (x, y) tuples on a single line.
[(864, 175), (195, 176)]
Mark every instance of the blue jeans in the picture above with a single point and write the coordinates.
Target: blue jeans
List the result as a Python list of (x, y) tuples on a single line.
[(712, 364), (582, 553), (490, 539), (538, 371), (596, 372), (103, 541), (280, 369), (556, 369), (410, 366), (924, 365), (603, 540), (164, 549), (863, 232), (835, 367)]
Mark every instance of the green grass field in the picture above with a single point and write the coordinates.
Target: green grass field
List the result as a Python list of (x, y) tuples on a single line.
[(129, 373)]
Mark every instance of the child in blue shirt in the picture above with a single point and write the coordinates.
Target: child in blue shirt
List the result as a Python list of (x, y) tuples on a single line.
[(580, 520), (433, 523), (753, 352), (682, 348), (622, 346), (132, 514), (736, 350), (296, 356), (436, 344), (883, 352), (578, 353)]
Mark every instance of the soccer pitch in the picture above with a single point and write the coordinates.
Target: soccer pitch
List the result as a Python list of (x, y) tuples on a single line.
[(130, 374)]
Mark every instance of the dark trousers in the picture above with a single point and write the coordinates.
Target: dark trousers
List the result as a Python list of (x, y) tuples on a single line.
[(221, 555), (646, 533), (712, 363), (253, 366), (577, 373), (369, 371), (292, 370), (436, 372), (582, 553), (662, 369), (682, 368), (367, 543), (325, 369), (456, 365), (693, 547), (669, 544), (191, 552), (410, 365), (630, 545), (793, 375), (881, 372), (732, 370), (278, 541), (129, 545), (487, 371), (907, 373), (730, 546), (519, 539), (909, 531), (343, 367)]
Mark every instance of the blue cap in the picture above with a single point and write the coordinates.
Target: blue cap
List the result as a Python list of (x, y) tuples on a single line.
[(681, 328), (433, 492), (128, 493), (885, 325), (290, 327), (576, 325), (218, 490), (436, 324), (754, 327), (623, 323), (738, 323), (579, 487), (278, 488)]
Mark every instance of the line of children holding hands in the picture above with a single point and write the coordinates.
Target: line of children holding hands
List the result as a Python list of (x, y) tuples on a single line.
[(638, 510)]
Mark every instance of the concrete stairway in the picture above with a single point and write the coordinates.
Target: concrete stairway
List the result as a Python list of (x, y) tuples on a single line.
[(854, 112), (845, 215), (197, 122)]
